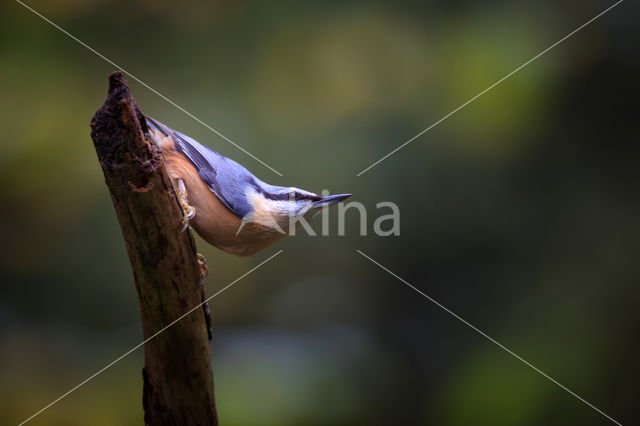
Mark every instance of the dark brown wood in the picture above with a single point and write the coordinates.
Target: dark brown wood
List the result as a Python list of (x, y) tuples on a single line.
[(178, 378)]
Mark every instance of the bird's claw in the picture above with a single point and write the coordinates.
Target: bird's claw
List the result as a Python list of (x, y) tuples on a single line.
[(188, 211), (185, 219), (204, 271), (205, 306)]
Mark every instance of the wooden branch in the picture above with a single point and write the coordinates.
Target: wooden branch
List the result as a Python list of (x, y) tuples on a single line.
[(178, 378)]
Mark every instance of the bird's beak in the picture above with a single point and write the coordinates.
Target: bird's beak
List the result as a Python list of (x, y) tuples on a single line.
[(330, 199)]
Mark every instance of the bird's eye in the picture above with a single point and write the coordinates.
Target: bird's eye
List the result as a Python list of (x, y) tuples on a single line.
[(292, 196)]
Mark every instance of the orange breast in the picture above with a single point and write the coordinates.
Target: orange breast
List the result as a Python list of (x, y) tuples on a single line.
[(213, 221)]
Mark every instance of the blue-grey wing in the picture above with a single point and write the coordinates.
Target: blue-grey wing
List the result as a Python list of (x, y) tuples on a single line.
[(227, 179)]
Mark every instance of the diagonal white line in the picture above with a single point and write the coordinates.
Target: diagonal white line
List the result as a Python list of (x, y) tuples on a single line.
[(500, 345), (148, 339), (491, 87), (150, 88)]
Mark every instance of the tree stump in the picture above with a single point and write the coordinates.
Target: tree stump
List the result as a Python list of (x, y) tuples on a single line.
[(178, 377)]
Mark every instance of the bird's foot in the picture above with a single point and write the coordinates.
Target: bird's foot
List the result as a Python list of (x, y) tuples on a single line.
[(188, 211), (204, 271)]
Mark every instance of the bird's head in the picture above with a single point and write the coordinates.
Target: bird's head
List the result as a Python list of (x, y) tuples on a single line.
[(277, 206)]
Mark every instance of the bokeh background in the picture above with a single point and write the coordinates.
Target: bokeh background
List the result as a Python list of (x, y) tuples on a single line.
[(520, 213)]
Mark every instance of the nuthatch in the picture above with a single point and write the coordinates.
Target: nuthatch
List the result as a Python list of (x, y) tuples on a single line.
[(225, 204)]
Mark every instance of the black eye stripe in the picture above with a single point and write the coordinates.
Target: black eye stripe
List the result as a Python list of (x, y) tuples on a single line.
[(287, 197), (279, 197)]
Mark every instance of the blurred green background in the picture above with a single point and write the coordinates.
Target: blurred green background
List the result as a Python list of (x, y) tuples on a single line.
[(520, 213)]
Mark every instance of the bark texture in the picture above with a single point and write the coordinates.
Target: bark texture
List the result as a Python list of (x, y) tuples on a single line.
[(178, 378)]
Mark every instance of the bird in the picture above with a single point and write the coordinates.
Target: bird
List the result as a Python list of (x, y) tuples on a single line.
[(223, 202)]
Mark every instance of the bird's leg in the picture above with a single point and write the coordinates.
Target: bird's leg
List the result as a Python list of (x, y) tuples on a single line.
[(204, 271), (188, 211)]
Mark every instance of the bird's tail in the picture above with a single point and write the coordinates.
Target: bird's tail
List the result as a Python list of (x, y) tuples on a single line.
[(156, 125), (160, 135)]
